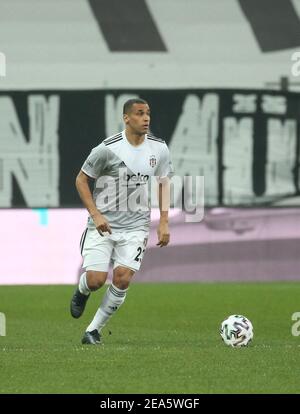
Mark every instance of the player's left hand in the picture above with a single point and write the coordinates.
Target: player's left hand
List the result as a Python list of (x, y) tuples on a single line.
[(163, 234)]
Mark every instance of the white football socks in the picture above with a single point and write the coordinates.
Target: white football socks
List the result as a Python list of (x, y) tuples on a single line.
[(112, 300), (83, 287)]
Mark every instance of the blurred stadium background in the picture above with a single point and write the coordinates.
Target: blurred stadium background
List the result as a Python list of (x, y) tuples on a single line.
[(218, 78)]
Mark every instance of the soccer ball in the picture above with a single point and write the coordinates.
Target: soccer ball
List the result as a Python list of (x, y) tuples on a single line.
[(236, 331)]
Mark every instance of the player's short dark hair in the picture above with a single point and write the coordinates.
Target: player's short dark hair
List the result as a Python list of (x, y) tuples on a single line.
[(128, 104)]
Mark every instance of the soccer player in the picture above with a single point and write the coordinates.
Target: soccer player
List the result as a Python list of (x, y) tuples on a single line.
[(119, 212)]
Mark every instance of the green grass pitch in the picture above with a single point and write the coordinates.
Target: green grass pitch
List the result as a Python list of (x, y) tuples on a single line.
[(165, 339)]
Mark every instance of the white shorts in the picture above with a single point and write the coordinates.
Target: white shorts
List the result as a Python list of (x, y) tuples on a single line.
[(122, 249)]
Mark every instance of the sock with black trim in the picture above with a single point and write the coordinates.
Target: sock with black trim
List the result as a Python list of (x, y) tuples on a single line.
[(112, 300)]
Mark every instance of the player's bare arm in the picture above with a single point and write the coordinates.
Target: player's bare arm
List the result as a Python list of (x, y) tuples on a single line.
[(164, 205), (82, 185)]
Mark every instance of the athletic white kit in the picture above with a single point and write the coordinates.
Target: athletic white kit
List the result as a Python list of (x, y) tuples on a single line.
[(122, 174)]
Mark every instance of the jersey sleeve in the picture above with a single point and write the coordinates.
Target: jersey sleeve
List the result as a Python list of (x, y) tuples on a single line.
[(165, 167), (95, 163)]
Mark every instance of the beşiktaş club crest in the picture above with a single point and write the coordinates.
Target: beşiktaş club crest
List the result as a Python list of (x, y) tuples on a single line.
[(152, 161)]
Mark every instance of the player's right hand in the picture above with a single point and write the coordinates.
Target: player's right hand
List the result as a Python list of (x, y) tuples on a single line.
[(101, 224)]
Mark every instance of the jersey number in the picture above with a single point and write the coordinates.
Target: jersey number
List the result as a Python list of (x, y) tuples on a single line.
[(137, 257)]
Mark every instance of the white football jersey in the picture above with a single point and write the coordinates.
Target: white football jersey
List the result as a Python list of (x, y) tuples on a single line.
[(122, 173)]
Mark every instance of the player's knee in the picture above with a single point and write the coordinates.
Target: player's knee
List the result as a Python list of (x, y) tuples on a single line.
[(121, 282), (95, 279), (122, 278)]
